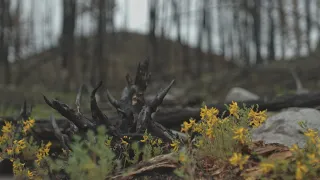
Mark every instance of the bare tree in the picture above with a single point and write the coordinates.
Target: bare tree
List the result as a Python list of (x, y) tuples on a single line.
[(271, 43), (297, 30), (67, 42), (5, 25), (208, 29), (308, 23), (246, 32), (176, 6), (201, 30), (153, 6), (283, 27), (100, 40), (185, 51), (221, 27), (237, 27), (256, 29)]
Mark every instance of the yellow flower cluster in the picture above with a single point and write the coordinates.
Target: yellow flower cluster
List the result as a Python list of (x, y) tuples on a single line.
[(43, 152), (206, 113), (266, 167), (240, 134), (257, 118), (124, 141), (175, 145), (152, 141), (312, 135), (238, 160), (301, 170), (187, 126), (27, 125), (19, 145), (6, 130), (234, 109), (18, 167), (310, 155)]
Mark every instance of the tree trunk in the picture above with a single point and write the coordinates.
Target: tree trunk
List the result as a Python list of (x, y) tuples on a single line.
[(5, 21), (283, 26), (221, 27), (186, 63), (271, 48), (67, 43), (308, 24), (208, 27), (100, 42), (297, 31), (152, 35), (201, 29), (256, 30)]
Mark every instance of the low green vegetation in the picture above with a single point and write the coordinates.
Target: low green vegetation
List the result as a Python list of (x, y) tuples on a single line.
[(213, 143)]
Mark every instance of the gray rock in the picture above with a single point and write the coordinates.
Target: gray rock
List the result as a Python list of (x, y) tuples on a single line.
[(283, 128), (240, 94)]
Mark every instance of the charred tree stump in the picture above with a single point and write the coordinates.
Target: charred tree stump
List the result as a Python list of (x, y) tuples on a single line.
[(135, 114)]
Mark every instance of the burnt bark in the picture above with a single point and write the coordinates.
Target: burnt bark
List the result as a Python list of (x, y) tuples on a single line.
[(135, 114)]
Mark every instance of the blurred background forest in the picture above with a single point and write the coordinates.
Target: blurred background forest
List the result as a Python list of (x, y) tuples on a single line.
[(208, 46)]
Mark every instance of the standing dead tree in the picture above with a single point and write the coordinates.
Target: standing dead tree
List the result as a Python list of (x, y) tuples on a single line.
[(5, 24)]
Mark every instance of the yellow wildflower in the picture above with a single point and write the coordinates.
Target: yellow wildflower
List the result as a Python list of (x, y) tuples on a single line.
[(203, 112), (30, 174), (124, 142), (159, 141), (3, 138), (17, 167), (257, 118), (295, 149), (187, 126), (27, 125), (209, 133), (238, 159), (175, 144), (145, 138), (9, 151), (312, 135), (240, 134), (198, 128), (208, 113), (266, 167), (153, 142), (7, 128), (19, 145), (312, 158), (199, 143), (301, 170), (233, 109), (212, 121), (43, 152)]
